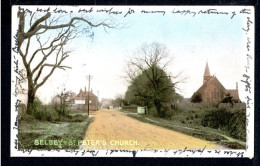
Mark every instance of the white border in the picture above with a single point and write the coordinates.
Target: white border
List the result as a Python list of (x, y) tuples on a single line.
[(249, 152)]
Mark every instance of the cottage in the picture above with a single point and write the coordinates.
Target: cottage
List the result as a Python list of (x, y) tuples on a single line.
[(213, 91), (80, 101)]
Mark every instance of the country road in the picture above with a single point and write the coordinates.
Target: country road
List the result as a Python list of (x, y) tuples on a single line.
[(112, 129)]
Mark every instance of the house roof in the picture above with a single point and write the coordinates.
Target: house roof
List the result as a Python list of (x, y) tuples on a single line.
[(82, 95)]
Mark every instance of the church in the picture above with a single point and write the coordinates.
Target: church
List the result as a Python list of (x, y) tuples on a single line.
[(213, 91)]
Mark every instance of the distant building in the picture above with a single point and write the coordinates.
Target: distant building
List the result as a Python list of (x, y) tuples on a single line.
[(57, 99), (80, 101), (213, 91), (106, 103)]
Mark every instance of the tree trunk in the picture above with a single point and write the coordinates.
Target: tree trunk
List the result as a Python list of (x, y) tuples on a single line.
[(30, 107), (158, 106), (31, 97)]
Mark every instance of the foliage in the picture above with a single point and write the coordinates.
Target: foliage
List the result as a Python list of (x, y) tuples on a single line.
[(39, 110), (196, 97), (233, 122), (144, 92), (228, 99)]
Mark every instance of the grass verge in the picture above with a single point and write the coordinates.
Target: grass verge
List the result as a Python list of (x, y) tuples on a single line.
[(46, 135), (197, 131)]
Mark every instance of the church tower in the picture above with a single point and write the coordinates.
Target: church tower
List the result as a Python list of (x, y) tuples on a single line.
[(206, 76)]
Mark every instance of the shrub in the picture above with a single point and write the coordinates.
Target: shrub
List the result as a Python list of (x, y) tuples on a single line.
[(168, 112), (39, 109), (165, 112), (75, 118), (196, 98), (44, 112), (78, 118), (231, 122), (27, 118)]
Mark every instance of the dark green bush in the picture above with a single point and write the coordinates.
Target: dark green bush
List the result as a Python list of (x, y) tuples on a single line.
[(232, 122), (166, 112), (196, 97), (78, 118), (75, 118), (27, 118)]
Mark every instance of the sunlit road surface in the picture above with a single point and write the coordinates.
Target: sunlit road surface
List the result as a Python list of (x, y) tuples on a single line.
[(112, 129)]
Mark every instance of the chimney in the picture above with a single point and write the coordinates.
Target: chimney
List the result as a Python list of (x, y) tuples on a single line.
[(236, 85), (85, 89)]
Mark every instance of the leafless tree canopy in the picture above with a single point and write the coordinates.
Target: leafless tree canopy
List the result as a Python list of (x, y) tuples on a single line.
[(147, 56)]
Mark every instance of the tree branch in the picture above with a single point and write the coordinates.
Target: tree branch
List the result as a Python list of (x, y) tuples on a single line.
[(36, 27)]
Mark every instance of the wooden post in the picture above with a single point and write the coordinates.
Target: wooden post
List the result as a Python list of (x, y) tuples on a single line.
[(88, 92)]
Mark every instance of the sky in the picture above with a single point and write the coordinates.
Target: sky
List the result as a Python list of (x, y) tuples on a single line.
[(191, 41)]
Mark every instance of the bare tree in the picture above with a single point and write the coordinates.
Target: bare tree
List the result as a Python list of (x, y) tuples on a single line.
[(149, 80), (118, 101), (53, 47)]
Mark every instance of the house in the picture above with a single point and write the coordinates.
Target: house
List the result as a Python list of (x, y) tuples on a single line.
[(80, 101), (57, 99), (213, 91)]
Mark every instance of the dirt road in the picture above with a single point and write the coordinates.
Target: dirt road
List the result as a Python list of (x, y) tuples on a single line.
[(112, 129)]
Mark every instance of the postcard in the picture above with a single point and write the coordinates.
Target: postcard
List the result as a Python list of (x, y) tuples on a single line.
[(132, 81)]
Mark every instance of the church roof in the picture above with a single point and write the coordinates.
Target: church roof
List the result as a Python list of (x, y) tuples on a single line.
[(207, 73), (210, 81)]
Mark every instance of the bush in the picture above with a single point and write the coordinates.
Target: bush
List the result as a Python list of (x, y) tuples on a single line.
[(39, 112), (75, 118), (61, 109), (168, 112), (27, 118), (44, 112), (79, 118), (165, 112), (233, 123), (196, 98)]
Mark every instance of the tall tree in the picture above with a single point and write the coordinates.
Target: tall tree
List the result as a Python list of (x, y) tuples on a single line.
[(150, 85), (33, 28)]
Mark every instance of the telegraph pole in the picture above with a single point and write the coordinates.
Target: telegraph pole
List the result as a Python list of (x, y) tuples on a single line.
[(88, 91), (97, 100)]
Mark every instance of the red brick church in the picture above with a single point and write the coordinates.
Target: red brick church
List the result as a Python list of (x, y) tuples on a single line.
[(213, 91)]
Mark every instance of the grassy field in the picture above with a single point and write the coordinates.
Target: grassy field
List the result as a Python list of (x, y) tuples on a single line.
[(35, 134), (189, 121)]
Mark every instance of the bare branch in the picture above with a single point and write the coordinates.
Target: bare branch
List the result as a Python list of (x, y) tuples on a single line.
[(36, 27), (31, 19)]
